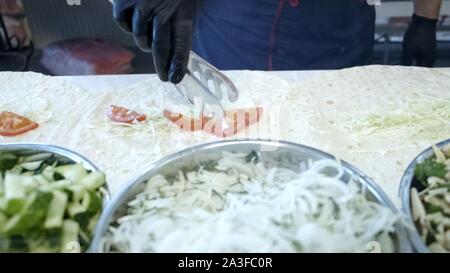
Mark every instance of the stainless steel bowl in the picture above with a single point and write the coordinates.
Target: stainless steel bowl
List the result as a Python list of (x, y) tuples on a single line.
[(408, 181), (287, 154), (27, 149)]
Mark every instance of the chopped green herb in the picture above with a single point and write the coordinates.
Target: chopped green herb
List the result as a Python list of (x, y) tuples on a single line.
[(252, 157), (429, 168)]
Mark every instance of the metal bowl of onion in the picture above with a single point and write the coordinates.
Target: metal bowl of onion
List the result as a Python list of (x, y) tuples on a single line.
[(251, 196), (425, 198)]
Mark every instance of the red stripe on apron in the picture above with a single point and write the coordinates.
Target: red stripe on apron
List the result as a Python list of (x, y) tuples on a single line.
[(273, 34)]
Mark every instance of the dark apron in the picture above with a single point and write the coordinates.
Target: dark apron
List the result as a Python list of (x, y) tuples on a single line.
[(285, 34)]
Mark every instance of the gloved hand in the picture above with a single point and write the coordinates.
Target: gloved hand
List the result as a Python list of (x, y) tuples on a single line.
[(163, 27), (419, 42)]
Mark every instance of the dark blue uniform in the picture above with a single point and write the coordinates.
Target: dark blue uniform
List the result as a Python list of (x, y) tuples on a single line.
[(285, 34)]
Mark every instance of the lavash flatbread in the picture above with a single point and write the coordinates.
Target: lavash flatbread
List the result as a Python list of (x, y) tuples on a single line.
[(330, 112), (53, 103)]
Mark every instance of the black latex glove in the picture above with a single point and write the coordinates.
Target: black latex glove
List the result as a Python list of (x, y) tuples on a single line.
[(419, 42), (163, 27)]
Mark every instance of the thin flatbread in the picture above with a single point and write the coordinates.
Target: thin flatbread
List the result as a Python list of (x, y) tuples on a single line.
[(376, 117), (52, 102)]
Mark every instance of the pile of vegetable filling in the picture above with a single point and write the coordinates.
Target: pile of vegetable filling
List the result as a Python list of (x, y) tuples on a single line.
[(430, 203), (47, 204), (242, 204)]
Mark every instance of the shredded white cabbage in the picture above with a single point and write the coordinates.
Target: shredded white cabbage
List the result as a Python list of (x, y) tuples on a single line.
[(422, 117), (144, 130), (239, 206)]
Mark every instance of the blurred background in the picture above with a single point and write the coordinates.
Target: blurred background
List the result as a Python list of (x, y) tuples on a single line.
[(33, 33)]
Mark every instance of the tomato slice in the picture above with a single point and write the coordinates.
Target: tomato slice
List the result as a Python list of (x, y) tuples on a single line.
[(234, 121), (185, 123), (12, 124), (124, 115)]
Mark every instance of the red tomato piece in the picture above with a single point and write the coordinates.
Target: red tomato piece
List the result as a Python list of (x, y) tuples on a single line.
[(185, 123), (12, 124), (234, 121), (237, 120), (124, 115)]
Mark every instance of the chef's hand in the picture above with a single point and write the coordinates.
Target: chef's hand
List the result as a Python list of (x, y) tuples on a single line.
[(419, 42), (163, 27)]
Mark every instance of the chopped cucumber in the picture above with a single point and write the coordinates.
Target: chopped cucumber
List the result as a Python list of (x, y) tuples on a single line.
[(74, 209), (49, 172), (3, 204), (13, 206), (14, 186), (7, 161), (74, 172), (47, 205), (94, 180), (15, 193), (31, 166), (77, 191), (32, 214), (70, 236), (86, 200), (3, 219), (90, 206), (95, 203), (29, 183), (58, 185), (56, 210), (41, 180)]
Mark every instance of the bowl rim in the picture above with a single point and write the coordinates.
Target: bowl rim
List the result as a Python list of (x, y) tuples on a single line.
[(72, 155), (404, 194), (116, 202), (61, 151)]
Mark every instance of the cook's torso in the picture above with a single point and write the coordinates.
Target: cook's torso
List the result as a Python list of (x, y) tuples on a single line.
[(285, 34)]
